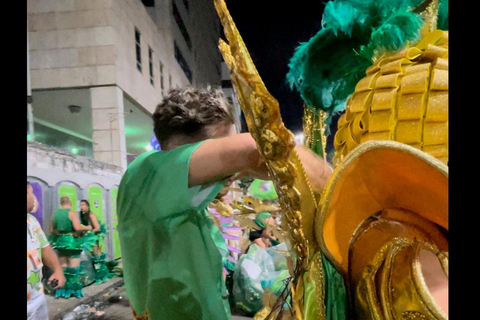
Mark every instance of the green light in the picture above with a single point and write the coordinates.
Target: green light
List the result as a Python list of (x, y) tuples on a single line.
[(29, 137), (131, 131), (74, 150)]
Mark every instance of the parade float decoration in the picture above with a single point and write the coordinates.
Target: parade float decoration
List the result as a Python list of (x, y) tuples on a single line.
[(362, 245)]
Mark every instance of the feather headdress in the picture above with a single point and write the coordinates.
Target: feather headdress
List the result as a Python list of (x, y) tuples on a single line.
[(325, 69)]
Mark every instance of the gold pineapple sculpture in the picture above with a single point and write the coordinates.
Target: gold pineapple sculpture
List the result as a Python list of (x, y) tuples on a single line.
[(403, 97)]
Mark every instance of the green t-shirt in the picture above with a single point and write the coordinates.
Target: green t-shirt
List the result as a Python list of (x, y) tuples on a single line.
[(62, 222), (172, 268)]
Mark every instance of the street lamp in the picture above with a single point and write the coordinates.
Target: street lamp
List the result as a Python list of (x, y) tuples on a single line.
[(299, 138)]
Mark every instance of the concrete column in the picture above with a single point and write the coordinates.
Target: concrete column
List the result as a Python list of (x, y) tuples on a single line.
[(108, 123), (29, 96)]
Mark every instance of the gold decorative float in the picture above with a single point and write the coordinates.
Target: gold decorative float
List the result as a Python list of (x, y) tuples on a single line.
[(276, 146), (383, 215)]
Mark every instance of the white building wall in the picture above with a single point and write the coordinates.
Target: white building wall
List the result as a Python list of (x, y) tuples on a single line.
[(206, 31), (85, 43), (71, 43), (126, 16), (53, 165)]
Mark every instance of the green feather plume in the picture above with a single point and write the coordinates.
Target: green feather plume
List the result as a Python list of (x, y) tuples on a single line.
[(442, 22), (326, 69)]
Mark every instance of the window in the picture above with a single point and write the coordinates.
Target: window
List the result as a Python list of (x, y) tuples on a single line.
[(161, 76), (148, 3), (226, 83), (150, 66), (181, 26), (138, 50), (182, 62)]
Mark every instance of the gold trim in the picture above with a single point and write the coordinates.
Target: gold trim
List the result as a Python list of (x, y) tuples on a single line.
[(314, 129), (338, 172), (419, 280), (274, 141)]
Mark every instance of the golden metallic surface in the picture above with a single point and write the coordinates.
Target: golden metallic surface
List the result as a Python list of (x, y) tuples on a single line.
[(374, 176), (275, 142), (262, 314), (276, 146), (403, 97), (391, 286), (373, 222), (429, 14), (314, 293), (221, 207), (314, 129)]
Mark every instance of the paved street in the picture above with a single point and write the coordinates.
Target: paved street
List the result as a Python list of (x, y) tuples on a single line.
[(107, 301)]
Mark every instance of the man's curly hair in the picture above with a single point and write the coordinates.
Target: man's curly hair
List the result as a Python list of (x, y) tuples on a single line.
[(189, 111)]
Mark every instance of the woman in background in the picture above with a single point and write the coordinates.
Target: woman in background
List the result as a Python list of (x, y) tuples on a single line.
[(92, 242)]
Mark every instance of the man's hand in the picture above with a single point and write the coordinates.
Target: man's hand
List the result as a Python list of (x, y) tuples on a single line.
[(50, 259), (58, 275)]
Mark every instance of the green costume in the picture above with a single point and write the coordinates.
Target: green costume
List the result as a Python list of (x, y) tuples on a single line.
[(64, 239), (172, 267), (67, 244), (92, 239)]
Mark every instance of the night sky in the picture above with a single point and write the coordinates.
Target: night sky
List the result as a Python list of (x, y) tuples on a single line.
[(271, 33)]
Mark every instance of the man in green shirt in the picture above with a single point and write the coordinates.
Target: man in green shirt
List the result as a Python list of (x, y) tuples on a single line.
[(172, 267), (64, 238)]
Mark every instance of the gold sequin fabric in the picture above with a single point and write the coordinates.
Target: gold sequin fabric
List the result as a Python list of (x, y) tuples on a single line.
[(403, 97)]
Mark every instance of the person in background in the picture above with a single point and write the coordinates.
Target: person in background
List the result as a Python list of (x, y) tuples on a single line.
[(39, 252), (92, 242), (262, 235), (89, 218), (65, 228)]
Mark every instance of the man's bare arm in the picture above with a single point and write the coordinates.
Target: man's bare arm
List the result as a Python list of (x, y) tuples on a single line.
[(50, 259), (317, 169), (95, 224), (219, 158)]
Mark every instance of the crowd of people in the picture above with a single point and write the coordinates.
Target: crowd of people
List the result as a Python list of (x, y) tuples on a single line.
[(72, 234)]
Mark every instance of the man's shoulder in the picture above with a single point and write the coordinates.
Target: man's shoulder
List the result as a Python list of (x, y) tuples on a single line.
[(31, 219), (33, 222), (140, 159)]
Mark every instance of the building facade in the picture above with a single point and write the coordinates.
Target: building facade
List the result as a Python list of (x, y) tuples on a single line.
[(97, 69)]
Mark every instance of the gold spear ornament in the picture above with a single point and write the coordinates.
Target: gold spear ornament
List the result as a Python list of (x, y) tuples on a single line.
[(276, 146)]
